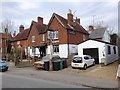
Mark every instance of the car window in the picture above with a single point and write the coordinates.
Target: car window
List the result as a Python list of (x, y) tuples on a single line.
[(86, 57), (77, 59)]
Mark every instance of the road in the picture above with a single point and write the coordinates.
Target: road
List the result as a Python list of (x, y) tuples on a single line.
[(14, 81)]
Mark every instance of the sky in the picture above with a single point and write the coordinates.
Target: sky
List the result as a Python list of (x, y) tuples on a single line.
[(23, 12)]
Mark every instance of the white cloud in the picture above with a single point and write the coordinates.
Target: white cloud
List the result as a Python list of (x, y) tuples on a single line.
[(61, 0), (24, 11)]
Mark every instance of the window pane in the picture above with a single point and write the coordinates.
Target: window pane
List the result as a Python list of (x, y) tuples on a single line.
[(55, 34), (114, 48), (43, 37), (33, 38), (109, 50), (56, 48)]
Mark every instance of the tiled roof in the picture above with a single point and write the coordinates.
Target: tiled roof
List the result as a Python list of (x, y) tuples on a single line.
[(2, 35), (75, 26), (97, 33), (7, 35), (41, 28), (22, 35)]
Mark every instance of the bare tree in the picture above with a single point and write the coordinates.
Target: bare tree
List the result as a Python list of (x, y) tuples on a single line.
[(102, 24), (7, 28)]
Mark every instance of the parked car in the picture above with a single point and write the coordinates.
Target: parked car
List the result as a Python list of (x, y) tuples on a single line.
[(41, 64), (3, 66), (82, 61)]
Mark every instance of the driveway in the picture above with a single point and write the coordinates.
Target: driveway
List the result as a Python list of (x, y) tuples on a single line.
[(108, 72)]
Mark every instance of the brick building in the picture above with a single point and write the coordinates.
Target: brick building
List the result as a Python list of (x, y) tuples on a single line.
[(37, 38), (5, 39), (21, 39), (67, 34)]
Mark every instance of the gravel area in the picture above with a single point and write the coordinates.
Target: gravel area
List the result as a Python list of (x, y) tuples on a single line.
[(108, 72)]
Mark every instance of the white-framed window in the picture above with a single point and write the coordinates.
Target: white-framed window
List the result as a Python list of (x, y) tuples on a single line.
[(109, 50), (55, 48), (55, 35), (33, 38), (114, 49), (50, 34), (33, 50), (43, 37)]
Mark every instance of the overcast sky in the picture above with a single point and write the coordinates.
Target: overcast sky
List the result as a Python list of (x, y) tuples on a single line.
[(23, 12)]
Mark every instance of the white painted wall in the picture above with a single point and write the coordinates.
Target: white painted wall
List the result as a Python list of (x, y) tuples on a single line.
[(63, 51), (111, 57), (73, 48), (92, 44), (30, 53), (102, 49)]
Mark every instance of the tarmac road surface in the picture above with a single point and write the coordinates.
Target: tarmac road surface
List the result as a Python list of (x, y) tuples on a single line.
[(14, 81)]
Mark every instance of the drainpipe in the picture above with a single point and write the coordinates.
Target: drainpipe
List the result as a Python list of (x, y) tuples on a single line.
[(68, 40)]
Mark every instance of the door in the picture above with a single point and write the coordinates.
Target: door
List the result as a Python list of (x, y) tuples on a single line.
[(93, 52)]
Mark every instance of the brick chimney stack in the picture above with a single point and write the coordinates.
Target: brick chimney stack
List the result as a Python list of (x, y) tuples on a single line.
[(77, 20), (14, 34), (40, 20), (21, 28), (70, 17), (91, 28)]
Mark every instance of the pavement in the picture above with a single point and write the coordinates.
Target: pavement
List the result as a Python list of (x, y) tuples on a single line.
[(108, 72), (74, 79)]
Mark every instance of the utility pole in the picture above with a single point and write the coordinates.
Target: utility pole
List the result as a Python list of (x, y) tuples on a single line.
[(51, 37)]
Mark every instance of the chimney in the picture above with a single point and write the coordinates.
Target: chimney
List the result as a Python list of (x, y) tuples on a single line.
[(40, 20), (91, 28), (21, 28), (70, 17), (6, 30), (14, 34), (77, 20)]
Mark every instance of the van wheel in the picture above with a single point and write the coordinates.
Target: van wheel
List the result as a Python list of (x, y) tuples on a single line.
[(85, 66)]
